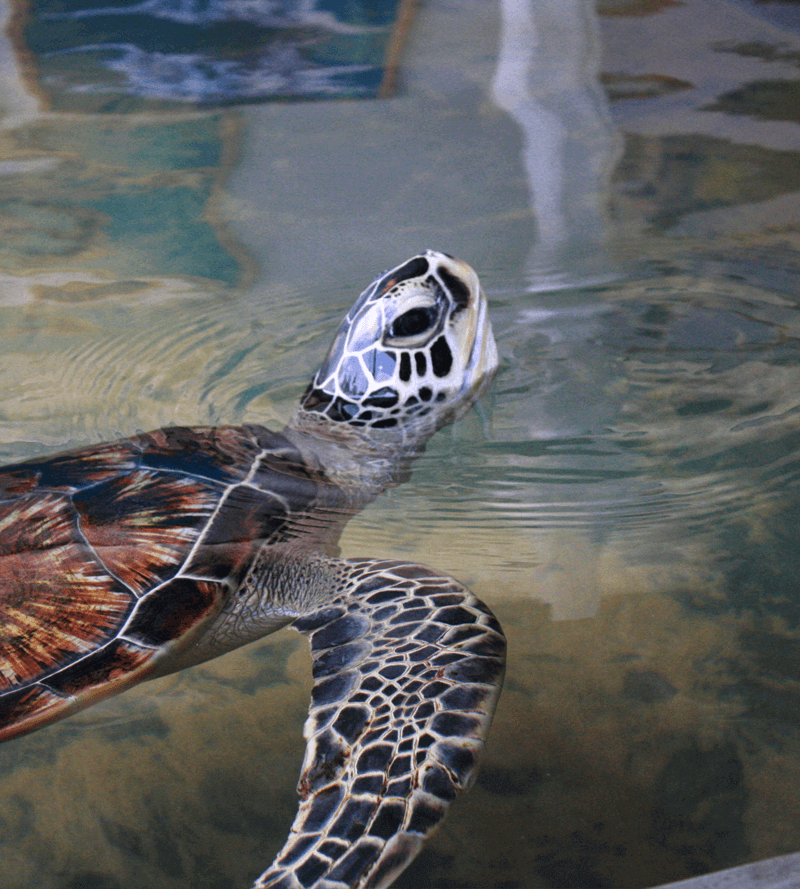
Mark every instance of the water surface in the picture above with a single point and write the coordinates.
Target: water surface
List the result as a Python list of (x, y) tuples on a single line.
[(626, 498)]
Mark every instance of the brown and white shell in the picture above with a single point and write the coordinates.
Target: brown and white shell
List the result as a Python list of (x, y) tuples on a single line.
[(114, 558)]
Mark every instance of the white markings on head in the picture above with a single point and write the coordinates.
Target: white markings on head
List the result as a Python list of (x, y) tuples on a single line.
[(417, 343)]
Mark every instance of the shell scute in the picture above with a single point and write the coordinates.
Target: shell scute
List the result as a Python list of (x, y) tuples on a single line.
[(36, 522), (26, 708), (293, 483), (56, 601), (112, 558), (93, 544), (224, 454), (170, 611), (109, 664), (70, 471), (247, 519), (143, 524)]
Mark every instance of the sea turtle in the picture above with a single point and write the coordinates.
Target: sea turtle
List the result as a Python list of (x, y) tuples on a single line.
[(133, 559)]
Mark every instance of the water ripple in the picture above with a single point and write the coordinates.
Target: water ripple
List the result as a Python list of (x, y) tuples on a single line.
[(656, 404)]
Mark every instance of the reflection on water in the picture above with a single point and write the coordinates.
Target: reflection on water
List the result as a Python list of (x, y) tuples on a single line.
[(547, 79), (626, 499), (123, 57)]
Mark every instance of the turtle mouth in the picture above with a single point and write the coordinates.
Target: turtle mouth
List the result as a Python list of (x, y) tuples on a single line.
[(483, 360), (482, 364)]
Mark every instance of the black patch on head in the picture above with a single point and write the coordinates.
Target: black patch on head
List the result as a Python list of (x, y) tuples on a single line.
[(434, 689), (405, 366), (458, 289), (314, 399), (384, 424), (422, 364), (422, 654), (377, 734), (441, 356), (401, 765), (425, 393), (341, 411), (414, 268), (425, 710), (382, 398)]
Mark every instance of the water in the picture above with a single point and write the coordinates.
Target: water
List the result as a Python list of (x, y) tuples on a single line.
[(626, 498)]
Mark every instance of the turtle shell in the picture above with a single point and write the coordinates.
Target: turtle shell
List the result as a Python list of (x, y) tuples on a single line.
[(113, 558)]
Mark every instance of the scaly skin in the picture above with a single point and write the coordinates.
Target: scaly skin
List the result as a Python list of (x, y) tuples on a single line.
[(408, 666), (136, 558)]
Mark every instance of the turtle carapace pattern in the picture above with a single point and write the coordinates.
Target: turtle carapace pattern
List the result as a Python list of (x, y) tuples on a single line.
[(133, 559)]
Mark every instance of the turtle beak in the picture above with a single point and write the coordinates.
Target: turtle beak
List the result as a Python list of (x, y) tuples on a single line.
[(484, 359), (471, 312)]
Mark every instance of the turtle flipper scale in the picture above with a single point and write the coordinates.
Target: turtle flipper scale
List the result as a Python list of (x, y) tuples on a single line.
[(408, 666)]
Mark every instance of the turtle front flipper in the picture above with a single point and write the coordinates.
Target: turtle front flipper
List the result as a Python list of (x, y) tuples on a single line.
[(408, 666)]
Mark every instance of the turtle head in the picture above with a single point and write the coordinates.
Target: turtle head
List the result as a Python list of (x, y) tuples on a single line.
[(414, 352)]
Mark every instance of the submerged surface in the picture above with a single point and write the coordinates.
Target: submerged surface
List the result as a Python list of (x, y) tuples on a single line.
[(627, 498)]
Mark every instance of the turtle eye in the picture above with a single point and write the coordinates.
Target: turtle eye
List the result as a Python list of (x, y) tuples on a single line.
[(413, 322)]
